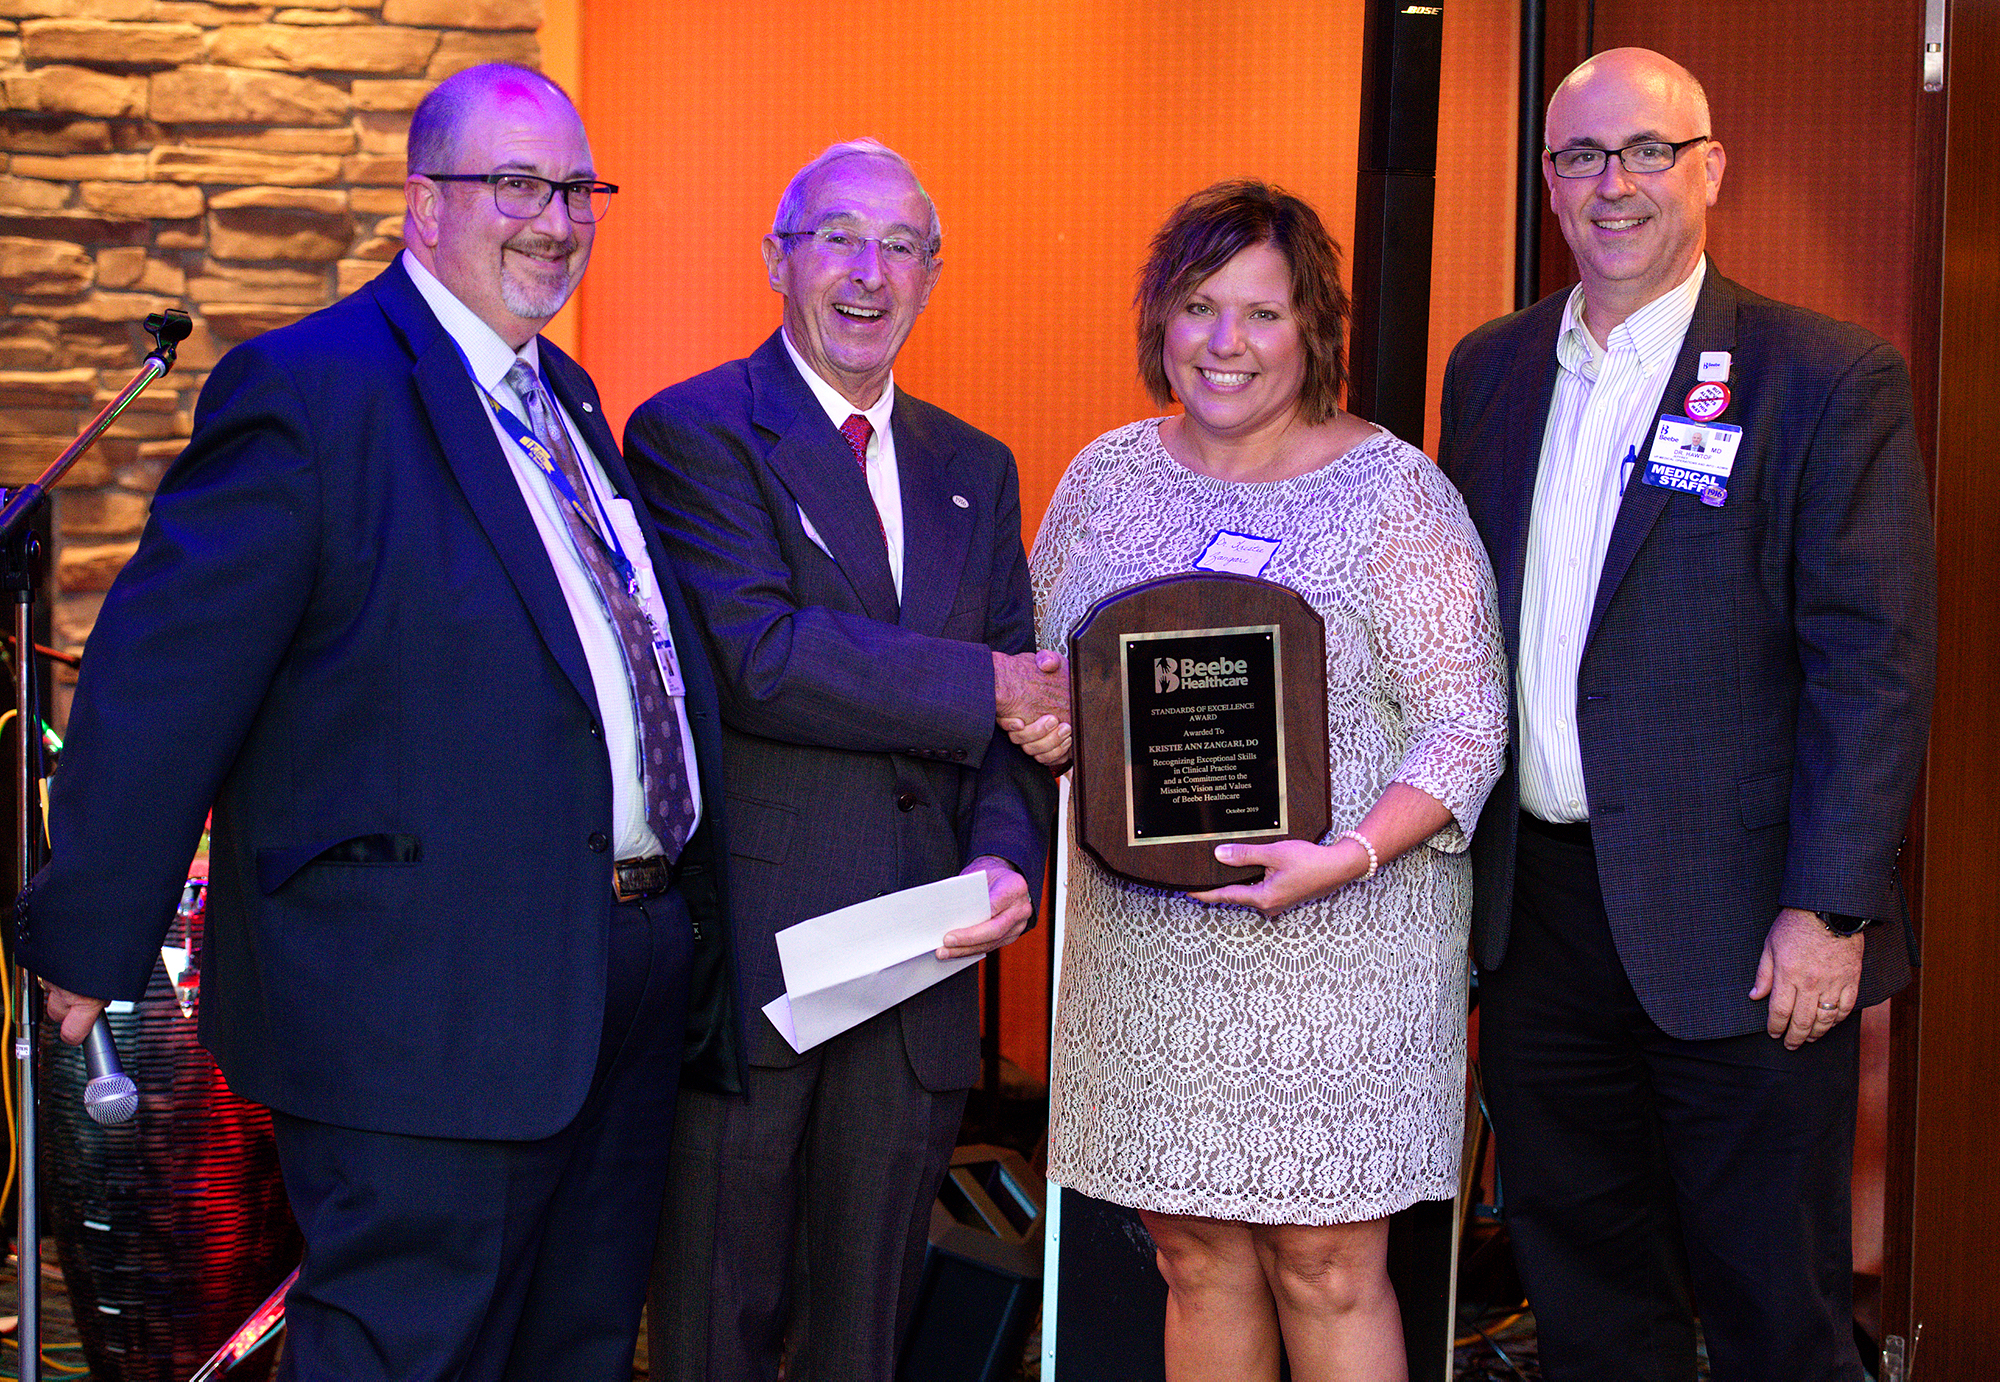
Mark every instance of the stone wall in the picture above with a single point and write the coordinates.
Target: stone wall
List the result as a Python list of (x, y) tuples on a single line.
[(241, 161)]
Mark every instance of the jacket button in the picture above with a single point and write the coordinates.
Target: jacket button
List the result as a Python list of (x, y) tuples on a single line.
[(906, 801), (959, 754), (598, 842), (596, 730)]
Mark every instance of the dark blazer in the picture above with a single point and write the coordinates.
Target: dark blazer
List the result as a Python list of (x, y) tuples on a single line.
[(1754, 695), (342, 631), (858, 733)]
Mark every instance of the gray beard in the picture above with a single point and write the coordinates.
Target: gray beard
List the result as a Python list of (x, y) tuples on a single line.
[(532, 303)]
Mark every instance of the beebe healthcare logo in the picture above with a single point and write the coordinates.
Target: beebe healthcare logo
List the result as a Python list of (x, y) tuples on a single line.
[(1171, 674)]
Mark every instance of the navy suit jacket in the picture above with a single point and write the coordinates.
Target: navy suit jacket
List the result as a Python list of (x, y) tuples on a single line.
[(342, 631), (858, 737), (1754, 692)]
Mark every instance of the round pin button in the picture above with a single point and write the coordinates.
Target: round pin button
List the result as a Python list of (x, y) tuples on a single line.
[(1707, 402)]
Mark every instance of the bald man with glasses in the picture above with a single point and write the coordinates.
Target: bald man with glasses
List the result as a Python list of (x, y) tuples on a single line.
[(1708, 523)]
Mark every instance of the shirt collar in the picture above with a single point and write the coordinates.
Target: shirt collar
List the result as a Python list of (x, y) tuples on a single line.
[(1655, 331), (838, 409), (489, 356)]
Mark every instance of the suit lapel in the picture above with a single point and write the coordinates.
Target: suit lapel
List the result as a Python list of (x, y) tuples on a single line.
[(578, 396), (812, 460), (465, 437), (1712, 327), (936, 531), (1529, 383)]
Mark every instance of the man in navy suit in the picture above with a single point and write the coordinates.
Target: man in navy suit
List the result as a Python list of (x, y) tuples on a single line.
[(395, 620), (853, 558), (1707, 517)]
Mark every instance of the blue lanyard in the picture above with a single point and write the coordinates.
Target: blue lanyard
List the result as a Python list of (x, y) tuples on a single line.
[(531, 445)]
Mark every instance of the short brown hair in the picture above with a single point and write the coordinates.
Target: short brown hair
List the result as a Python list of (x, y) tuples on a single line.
[(1211, 228)]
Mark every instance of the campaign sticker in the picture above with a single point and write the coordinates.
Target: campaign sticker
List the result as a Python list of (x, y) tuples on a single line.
[(1707, 402)]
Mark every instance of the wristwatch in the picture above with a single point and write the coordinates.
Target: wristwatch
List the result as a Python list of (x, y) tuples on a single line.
[(1841, 924)]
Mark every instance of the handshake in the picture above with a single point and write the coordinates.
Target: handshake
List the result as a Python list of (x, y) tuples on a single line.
[(1031, 703)]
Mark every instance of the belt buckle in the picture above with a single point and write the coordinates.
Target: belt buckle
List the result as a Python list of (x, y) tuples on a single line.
[(634, 879)]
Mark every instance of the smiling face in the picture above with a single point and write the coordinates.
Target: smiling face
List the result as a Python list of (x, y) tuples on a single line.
[(849, 317), (1233, 353), (513, 274), (1634, 235)]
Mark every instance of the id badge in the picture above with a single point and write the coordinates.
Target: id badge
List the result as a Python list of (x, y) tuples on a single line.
[(1693, 457)]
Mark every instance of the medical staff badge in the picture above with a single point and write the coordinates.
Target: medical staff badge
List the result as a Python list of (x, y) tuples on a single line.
[(1693, 457)]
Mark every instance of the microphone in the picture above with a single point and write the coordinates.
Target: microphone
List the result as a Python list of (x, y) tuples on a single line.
[(110, 1096)]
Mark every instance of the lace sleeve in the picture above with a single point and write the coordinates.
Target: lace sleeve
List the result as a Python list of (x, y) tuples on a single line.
[(1437, 637), (1063, 526)]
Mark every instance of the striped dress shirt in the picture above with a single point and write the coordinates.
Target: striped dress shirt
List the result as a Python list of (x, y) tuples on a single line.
[(1603, 409)]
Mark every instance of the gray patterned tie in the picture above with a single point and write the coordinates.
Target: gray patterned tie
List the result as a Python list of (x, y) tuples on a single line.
[(669, 803)]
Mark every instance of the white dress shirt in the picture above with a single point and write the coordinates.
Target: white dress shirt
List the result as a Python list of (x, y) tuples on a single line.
[(1602, 413), (490, 358), (884, 486)]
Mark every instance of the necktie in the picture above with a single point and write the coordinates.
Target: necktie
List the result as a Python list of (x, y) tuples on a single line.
[(857, 430), (669, 803)]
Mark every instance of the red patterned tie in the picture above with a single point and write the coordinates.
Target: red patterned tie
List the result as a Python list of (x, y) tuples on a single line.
[(858, 430)]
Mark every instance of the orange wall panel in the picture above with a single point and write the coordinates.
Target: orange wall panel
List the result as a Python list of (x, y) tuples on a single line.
[(1054, 140)]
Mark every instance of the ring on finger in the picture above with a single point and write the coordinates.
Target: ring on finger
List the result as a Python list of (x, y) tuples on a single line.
[(1829, 1007)]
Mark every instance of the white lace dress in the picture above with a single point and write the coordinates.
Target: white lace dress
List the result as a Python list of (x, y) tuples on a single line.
[(1309, 1069)]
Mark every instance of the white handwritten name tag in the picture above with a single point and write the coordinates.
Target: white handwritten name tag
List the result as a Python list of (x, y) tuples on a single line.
[(1238, 553)]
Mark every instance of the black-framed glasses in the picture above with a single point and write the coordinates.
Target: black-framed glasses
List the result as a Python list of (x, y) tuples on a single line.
[(838, 242), (523, 195), (1652, 156)]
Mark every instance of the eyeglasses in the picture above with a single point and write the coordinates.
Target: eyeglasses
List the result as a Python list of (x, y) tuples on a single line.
[(1653, 156), (523, 195), (899, 251)]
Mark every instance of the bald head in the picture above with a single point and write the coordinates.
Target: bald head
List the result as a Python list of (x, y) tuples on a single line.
[(1636, 236), (1638, 71)]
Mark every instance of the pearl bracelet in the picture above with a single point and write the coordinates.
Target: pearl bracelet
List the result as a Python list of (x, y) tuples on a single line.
[(1374, 860)]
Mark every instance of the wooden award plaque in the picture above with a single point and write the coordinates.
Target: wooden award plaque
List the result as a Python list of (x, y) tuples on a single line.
[(1199, 711)]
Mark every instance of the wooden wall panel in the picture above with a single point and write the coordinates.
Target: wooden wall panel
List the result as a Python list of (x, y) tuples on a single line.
[(1955, 1209)]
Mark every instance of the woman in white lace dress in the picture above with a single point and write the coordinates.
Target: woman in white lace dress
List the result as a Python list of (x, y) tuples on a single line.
[(1266, 1072)]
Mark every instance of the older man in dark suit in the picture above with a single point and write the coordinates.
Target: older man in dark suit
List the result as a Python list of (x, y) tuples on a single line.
[(395, 620), (1707, 516), (853, 557)]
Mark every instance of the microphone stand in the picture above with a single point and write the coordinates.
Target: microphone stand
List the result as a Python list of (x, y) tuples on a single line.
[(20, 570)]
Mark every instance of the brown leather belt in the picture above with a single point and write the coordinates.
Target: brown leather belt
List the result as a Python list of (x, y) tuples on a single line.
[(633, 879)]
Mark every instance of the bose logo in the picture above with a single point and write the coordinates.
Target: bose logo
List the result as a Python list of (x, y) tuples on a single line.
[(1423, 9)]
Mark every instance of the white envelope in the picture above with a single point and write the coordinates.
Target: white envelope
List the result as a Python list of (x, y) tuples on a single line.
[(846, 966)]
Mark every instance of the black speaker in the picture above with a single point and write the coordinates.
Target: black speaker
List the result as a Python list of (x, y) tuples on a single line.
[(982, 1282), (1395, 198)]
